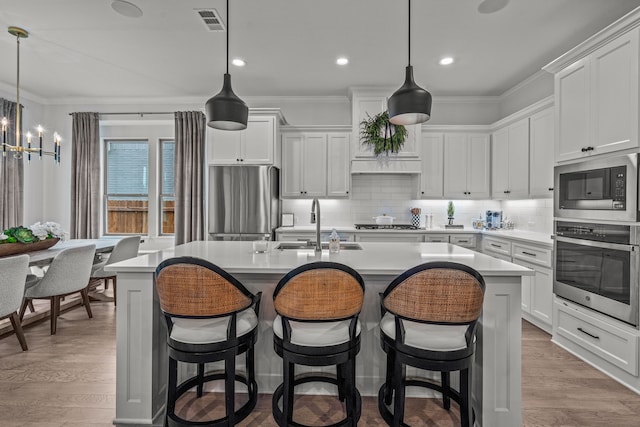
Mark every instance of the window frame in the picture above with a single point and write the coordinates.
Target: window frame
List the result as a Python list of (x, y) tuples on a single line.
[(159, 186)]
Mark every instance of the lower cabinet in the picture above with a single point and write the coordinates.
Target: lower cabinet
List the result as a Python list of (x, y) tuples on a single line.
[(311, 236), (467, 240), (389, 237)]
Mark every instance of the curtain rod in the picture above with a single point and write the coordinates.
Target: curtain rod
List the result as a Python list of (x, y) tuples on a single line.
[(130, 113)]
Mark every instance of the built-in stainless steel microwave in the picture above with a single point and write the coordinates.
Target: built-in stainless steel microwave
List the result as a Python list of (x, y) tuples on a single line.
[(602, 189)]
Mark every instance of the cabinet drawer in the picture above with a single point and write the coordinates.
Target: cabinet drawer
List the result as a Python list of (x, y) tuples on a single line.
[(436, 238), (607, 341), (491, 244), (533, 254), (464, 240)]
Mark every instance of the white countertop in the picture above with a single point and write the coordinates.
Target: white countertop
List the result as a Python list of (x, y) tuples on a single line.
[(374, 258), (522, 235)]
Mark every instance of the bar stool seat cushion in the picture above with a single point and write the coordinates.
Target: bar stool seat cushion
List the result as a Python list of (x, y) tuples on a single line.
[(316, 334), (427, 336), (212, 330)]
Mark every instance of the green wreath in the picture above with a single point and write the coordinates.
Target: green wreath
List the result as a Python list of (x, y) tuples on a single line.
[(382, 135)]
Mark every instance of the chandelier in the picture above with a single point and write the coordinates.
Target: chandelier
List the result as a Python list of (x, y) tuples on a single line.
[(19, 149)]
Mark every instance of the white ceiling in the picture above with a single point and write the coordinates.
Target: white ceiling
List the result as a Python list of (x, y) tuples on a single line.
[(82, 48)]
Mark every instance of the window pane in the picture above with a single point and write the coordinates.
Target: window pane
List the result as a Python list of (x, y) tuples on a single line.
[(127, 215), (127, 187), (166, 189)]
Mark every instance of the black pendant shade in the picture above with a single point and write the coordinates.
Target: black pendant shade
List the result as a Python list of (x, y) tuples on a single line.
[(410, 104), (225, 110)]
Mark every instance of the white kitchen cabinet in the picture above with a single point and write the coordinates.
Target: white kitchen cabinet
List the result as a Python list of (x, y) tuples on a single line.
[(304, 170), (432, 154), (537, 295), (338, 174), (255, 145), (465, 240), (367, 105), (389, 237), (541, 145), (466, 166), (495, 246), (597, 100), (510, 161), (436, 238)]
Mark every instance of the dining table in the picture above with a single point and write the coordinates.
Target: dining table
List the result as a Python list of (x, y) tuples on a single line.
[(45, 256)]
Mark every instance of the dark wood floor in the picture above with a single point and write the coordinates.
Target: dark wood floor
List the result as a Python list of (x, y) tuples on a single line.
[(69, 380)]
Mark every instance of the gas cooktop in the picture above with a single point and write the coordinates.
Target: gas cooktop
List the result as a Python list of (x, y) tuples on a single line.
[(385, 227)]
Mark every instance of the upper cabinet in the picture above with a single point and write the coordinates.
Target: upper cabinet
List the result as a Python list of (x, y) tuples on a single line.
[(258, 144), (466, 166), (541, 143), (315, 164), (596, 95), (432, 176), (510, 161)]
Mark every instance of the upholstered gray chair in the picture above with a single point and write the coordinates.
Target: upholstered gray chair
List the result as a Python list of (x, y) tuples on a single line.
[(68, 273), (124, 249), (13, 273)]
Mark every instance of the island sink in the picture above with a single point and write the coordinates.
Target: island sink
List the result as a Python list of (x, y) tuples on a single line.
[(344, 246)]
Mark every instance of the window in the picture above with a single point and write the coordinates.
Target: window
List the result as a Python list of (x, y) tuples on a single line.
[(135, 199)]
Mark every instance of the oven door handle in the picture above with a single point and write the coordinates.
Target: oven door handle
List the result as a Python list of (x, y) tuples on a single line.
[(596, 244)]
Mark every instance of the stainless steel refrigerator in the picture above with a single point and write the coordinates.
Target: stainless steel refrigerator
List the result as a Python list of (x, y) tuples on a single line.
[(244, 202)]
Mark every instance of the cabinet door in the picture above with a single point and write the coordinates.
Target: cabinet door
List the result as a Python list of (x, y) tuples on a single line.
[(292, 185), (223, 146), (526, 293), (478, 177), (338, 174), (572, 110), (258, 141), (464, 240), (388, 237), (432, 154), (436, 238), (614, 94), (314, 165), (500, 163), (519, 159), (456, 165), (541, 142), (542, 295)]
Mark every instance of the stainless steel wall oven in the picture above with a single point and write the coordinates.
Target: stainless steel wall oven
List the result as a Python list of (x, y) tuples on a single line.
[(596, 265)]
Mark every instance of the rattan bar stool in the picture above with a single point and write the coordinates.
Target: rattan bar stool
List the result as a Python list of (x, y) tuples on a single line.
[(429, 318), (210, 317), (317, 324)]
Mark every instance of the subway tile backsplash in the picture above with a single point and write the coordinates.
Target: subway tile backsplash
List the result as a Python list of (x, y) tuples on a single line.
[(395, 195)]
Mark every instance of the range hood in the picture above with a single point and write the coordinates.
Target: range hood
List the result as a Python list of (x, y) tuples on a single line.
[(386, 165)]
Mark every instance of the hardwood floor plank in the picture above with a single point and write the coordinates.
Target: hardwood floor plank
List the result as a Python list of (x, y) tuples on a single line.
[(68, 380)]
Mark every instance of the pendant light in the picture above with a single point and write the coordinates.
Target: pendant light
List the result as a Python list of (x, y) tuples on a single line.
[(225, 110), (410, 104)]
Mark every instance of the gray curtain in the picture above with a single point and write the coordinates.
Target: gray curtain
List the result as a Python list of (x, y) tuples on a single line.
[(189, 176), (11, 174), (85, 176)]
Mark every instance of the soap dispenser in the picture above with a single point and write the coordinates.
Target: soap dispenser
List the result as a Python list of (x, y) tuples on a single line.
[(334, 242)]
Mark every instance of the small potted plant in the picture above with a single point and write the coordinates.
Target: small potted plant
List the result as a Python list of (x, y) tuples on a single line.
[(17, 240), (450, 211)]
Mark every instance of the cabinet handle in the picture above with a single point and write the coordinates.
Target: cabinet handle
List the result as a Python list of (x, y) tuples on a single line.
[(496, 246), (347, 192), (237, 160), (528, 253), (422, 192), (550, 188), (463, 241), (587, 333), (302, 192), (583, 149), (508, 191), (590, 148)]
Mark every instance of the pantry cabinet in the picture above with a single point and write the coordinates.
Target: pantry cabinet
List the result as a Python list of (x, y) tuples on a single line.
[(597, 100), (541, 144), (510, 161), (466, 166)]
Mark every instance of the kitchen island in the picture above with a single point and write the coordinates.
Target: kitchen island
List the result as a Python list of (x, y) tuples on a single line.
[(141, 331)]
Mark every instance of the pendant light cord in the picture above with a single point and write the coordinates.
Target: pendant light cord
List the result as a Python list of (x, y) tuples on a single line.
[(409, 32), (227, 36)]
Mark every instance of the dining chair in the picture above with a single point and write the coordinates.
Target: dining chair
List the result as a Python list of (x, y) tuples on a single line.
[(68, 273), (13, 274), (125, 248)]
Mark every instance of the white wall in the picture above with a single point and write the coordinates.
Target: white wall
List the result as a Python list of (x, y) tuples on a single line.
[(525, 93)]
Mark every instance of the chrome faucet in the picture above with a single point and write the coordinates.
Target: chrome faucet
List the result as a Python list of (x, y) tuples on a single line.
[(315, 219)]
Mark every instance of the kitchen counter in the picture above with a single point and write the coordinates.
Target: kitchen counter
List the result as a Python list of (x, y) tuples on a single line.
[(521, 235), (141, 330)]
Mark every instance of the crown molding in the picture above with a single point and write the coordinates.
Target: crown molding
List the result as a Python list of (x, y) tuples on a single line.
[(456, 128), (466, 99), (625, 24), (11, 89), (533, 77), (524, 113), (316, 128)]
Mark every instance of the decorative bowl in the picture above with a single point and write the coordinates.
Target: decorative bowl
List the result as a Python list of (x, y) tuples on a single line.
[(7, 249)]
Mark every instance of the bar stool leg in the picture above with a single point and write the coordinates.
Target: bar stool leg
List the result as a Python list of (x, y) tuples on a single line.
[(388, 393), (398, 403), (444, 380), (466, 410), (171, 389), (200, 379), (230, 387), (350, 386)]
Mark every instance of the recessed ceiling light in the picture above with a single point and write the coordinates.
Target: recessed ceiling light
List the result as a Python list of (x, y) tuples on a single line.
[(447, 60), (127, 9), (238, 62), (342, 61)]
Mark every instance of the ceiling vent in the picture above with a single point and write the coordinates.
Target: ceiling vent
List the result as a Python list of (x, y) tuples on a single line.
[(211, 19)]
